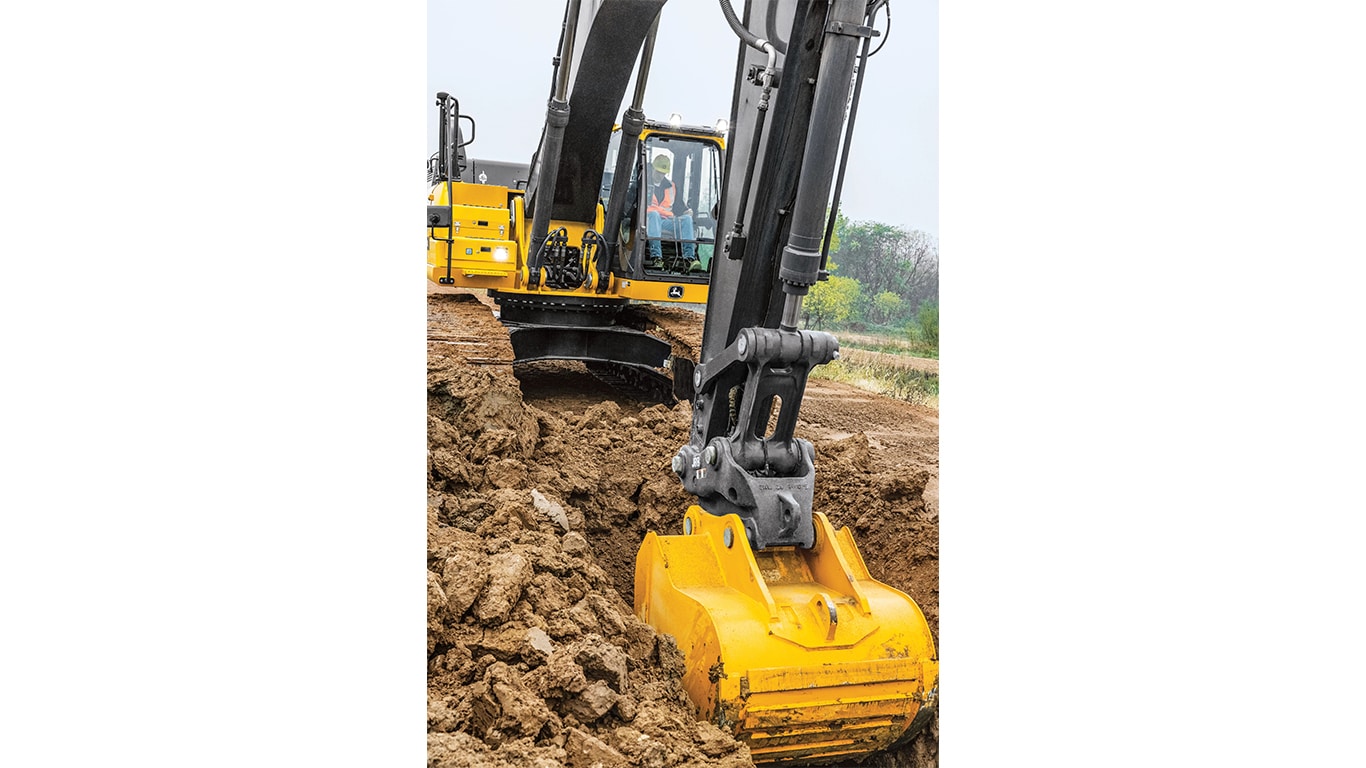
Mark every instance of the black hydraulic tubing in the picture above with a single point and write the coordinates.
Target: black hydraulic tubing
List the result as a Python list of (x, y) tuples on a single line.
[(647, 55), (872, 13), (751, 39), (769, 18), (557, 117), (566, 51), (559, 48), (739, 227), (848, 139), (766, 79)]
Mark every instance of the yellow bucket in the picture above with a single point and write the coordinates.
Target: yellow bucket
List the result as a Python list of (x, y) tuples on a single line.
[(799, 653)]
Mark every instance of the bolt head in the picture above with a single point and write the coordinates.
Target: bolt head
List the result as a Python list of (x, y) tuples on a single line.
[(729, 537), (709, 455), (678, 464), (687, 525), (742, 345), (697, 378)]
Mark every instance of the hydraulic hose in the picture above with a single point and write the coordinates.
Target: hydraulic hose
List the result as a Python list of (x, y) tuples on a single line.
[(864, 55), (751, 39), (734, 247)]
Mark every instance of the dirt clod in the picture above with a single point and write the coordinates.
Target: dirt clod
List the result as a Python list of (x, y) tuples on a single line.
[(585, 750), (508, 575)]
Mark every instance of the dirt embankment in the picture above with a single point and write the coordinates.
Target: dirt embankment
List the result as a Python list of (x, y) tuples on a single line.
[(539, 495)]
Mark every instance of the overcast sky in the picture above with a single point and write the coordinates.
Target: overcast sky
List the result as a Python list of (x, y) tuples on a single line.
[(494, 56)]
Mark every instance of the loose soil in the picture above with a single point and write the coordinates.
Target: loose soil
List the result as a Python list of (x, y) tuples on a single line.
[(542, 482)]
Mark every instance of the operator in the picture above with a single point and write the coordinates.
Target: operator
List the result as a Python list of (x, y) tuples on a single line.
[(659, 217)]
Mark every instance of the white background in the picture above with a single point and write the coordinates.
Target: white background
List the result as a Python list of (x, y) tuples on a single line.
[(213, 384)]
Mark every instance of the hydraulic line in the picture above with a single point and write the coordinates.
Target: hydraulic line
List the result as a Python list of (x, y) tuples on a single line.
[(849, 132), (750, 39), (556, 118), (736, 235)]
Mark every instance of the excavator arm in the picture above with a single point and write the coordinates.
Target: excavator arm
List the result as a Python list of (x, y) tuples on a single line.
[(790, 642)]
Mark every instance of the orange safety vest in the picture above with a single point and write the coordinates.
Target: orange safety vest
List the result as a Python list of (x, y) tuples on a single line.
[(664, 208)]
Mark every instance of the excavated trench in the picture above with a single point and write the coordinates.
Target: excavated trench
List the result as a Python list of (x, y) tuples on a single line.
[(541, 485)]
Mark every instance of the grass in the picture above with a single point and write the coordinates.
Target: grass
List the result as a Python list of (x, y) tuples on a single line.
[(884, 378), (892, 341), (890, 369)]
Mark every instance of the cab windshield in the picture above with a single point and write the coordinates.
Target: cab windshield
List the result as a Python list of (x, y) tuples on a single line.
[(672, 218)]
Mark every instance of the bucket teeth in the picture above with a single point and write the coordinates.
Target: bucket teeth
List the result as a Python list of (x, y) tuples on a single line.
[(800, 653)]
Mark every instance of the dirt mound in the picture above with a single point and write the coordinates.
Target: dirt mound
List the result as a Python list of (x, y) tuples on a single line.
[(534, 658), (539, 497), (682, 328), (884, 505)]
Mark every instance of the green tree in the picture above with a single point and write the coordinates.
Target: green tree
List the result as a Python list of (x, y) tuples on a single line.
[(928, 317), (834, 301), (885, 258), (887, 307)]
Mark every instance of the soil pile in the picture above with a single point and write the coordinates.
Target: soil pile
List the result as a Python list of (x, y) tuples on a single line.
[(883, 503), (539, 496), (534, 659)]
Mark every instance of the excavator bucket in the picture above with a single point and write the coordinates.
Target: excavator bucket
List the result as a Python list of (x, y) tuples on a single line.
[(799, 653)]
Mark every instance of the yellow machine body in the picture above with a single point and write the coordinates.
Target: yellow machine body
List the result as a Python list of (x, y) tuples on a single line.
[(800, 653), (487, 217), (481, 247)]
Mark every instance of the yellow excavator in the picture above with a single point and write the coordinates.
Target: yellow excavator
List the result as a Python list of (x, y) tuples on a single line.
[(790, 643), (602, 216)]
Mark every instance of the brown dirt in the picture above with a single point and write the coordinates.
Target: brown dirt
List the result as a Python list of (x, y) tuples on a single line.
[(540, 492)]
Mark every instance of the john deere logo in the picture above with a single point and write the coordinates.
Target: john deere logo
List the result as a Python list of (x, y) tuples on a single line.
[(675, 291)]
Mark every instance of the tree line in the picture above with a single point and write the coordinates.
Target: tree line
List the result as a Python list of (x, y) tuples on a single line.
[(883, 278)]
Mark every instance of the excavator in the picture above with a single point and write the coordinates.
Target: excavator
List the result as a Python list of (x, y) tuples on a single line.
[(790, 643), (563, 245)]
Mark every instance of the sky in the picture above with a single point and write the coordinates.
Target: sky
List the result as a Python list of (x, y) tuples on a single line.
[(503, 80)]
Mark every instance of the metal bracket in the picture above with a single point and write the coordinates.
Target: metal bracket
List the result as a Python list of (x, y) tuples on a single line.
[(853, 30), (755, 75)]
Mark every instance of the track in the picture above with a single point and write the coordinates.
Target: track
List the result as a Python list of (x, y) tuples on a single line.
[(463, 322), (650, 384)]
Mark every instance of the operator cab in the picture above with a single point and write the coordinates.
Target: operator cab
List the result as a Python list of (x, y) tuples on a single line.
[(668, 230)]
